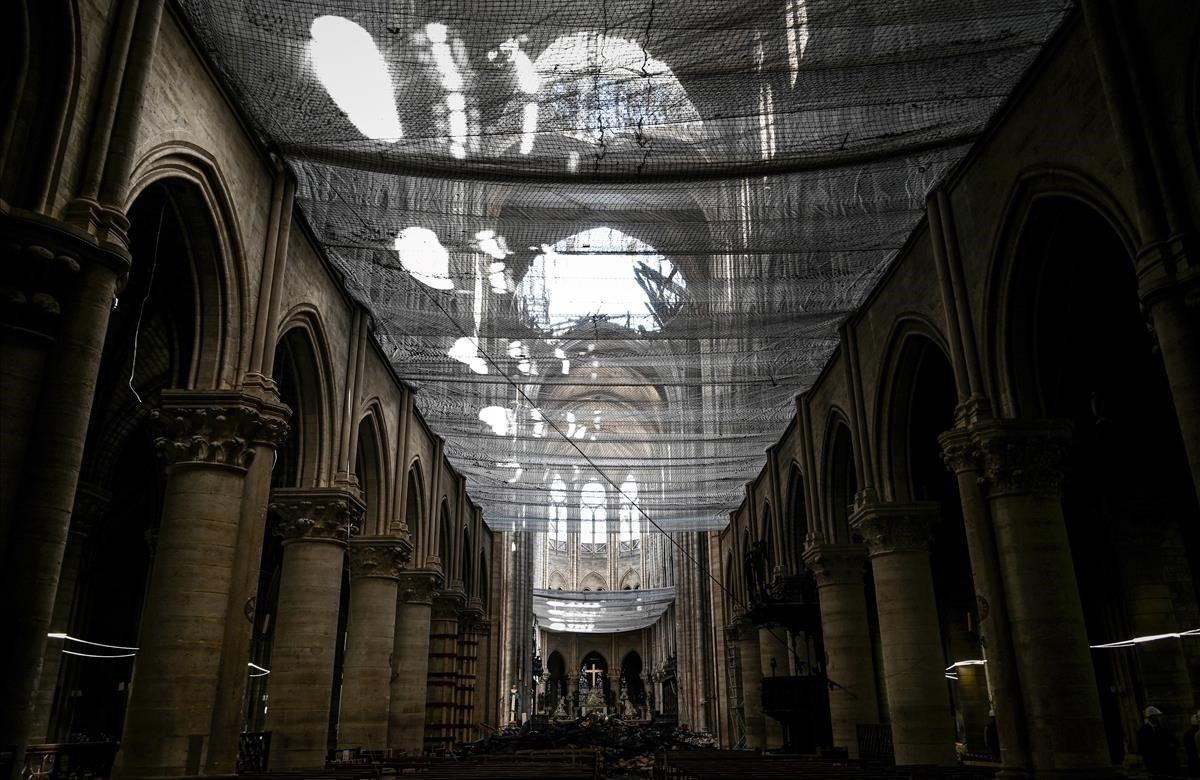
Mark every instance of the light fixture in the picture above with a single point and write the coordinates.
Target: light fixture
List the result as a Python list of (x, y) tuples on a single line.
[(262, 672), (1138, 640)]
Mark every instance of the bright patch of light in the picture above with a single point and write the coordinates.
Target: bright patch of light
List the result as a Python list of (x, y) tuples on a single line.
[(423, 256), (498, 418), (796, 23), (466, 351), (436, 32), (348, 64), (453, 83), (491, 244), (517, 470), (601, 85), (529, 123), (589, 275)]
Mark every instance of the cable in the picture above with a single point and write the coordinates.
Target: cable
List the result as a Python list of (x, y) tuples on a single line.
[(142, 309), (574, 445)]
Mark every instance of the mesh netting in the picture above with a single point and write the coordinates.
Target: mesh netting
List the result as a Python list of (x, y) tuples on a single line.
[(611, 241)]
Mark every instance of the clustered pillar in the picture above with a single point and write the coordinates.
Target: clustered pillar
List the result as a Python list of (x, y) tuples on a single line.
[(410, 662), (468, 658), (315, 525), (750, 664), (375, 564), (440, 703)]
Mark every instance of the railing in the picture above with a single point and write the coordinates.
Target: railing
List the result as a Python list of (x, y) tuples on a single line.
[(69, 761), (875, 742), (254, 751)]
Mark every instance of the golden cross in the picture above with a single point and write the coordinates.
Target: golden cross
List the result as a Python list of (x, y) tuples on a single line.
[(594, 673)]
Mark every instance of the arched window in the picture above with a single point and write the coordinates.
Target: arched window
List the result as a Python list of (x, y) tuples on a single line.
[(556, 524), (593, 516), (630, 529)]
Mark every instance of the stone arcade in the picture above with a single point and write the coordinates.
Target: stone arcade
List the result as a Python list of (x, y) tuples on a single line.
[(376, 378)]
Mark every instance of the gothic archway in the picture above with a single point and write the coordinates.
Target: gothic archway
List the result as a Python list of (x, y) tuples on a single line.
[(1079, 350)]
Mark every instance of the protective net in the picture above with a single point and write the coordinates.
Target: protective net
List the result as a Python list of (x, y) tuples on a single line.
[(609, 612), (611, 241)]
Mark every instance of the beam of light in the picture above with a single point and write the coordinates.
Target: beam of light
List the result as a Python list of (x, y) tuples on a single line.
[(1138, 640), (498, 418), (422, 255), (348, 64), (529, 124), (94, 655), (466, 351), (59, 635)]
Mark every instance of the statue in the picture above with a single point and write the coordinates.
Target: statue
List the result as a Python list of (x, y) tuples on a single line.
[(627, 709), (514, 703)]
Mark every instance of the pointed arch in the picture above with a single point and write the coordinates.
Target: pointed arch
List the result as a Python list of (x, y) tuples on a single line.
[(840, 482), (41, 62), (917, 393), (1023, 217), (415, 516), (798, 504), (593, 581), (445, 542), (301, 371), (200, 197), (371, 468)]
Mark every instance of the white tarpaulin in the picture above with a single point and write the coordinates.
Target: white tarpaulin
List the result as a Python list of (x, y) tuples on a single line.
[(600, 612)]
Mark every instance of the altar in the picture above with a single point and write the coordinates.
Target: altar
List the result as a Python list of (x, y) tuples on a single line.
[(592, 683)]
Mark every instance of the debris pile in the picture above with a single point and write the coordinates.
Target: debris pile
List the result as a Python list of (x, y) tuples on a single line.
[(621, 748)]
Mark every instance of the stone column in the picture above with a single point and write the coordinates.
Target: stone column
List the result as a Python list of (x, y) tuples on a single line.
[(1162, 666), (443, 671), (410, 663), (315, 526), (849, 663), (208, 440), (229, 711), (962, 458), (91, 503), (484, 676), (63, 288), (750, 657), (1168, 283), (468, 659), (375, 564), (1021, 463), (897, 537)]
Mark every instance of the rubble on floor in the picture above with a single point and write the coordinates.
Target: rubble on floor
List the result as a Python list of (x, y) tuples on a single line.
[(621, 748)]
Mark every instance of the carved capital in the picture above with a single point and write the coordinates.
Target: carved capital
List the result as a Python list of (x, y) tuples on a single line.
[(836, 564), (215, 428), (1022, 457), (417, 587), (447, 604), (889, 528), (378, 556), (42, 260), (960, 453), (317, 514), (1169, 268)]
